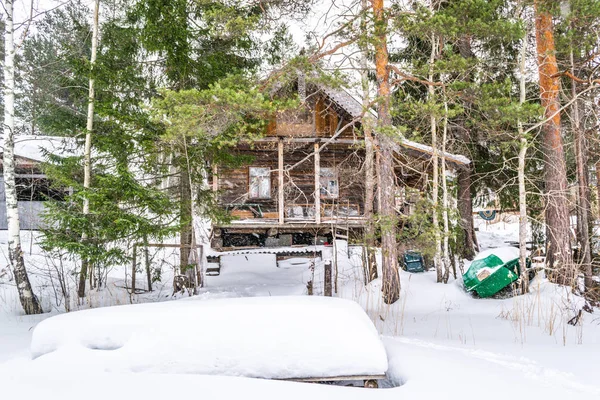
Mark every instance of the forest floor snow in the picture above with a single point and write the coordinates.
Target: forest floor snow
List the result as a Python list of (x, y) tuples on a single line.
[(441, 342)]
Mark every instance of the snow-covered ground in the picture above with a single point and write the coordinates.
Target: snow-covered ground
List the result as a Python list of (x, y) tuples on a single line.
[(441, 343)]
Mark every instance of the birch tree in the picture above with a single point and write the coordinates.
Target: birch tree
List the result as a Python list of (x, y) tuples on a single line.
[(523, 144), (27, 297), (435, 176), (87, 158)]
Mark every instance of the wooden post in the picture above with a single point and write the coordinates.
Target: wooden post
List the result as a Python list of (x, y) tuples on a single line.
[(328, 287), (317, 184), (280, 184), (215, 177)]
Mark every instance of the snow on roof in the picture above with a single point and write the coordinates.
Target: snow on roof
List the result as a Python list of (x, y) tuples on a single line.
[(354, 107), (422, 148), (34, 147), (346, 101), (264, 337)]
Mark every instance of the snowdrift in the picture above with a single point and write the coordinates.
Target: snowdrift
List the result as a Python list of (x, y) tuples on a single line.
[(266, 337)]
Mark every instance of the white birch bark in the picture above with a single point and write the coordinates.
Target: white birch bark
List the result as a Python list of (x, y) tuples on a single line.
[(87, 154), (435, 189), (446, 248), (27, 298), (521, 176)]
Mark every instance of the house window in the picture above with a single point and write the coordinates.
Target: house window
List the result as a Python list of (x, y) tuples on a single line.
[(330, 188), (260, 183)]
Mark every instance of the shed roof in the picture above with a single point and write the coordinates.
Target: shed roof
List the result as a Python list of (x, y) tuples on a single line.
[(35, 147)]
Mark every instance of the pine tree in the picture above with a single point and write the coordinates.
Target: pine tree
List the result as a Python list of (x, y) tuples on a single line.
[(558, 252), (387, 193)]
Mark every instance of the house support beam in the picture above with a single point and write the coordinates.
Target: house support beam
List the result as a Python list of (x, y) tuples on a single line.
[(280, 199), (215, 178), (317, 184)]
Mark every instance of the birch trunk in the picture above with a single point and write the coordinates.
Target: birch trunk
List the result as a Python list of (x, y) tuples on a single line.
[(367, 124), (521, 175), (87, 155), (446, 248), (559, 259), (437, 259), (391, 278), (28, 299)]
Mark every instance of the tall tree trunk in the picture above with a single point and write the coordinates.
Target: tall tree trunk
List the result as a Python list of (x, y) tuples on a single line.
[(583, 196), (558, 243), (186, 218), (446, 248), (598, 187), (436, 179), (521, 175), (87, 157), (469, 246), (28, 299), (389, 225), (367, 124)]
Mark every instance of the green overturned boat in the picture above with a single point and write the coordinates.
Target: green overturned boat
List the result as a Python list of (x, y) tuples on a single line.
[(493, 270)]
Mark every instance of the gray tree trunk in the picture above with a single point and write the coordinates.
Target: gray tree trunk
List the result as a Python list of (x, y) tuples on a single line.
[(367, 124), (583, 195), (469, 246)]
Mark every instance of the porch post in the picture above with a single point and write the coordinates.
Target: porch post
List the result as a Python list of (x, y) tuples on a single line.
[(280, 183), (317, 184), (215, 179)]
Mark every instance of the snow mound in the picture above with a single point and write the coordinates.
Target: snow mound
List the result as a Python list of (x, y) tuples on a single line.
[(505, 254), (265, 337)]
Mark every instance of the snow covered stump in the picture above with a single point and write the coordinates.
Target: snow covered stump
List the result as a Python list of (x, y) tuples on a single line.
[(299, 338)]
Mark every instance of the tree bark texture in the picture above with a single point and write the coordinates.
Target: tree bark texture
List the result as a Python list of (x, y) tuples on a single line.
[(437, 258), (87, 157), (186, 219), (369, 166), (558, 243), (521, 176), (391, 278), (446, 246), (583, 195), (28, 299), (469, 246)]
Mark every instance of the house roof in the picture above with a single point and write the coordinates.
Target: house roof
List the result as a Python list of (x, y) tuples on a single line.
[(35, 147), (354, 107)]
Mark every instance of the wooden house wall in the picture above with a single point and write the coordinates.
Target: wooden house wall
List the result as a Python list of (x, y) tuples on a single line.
[(233, 183), (318, 117)]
